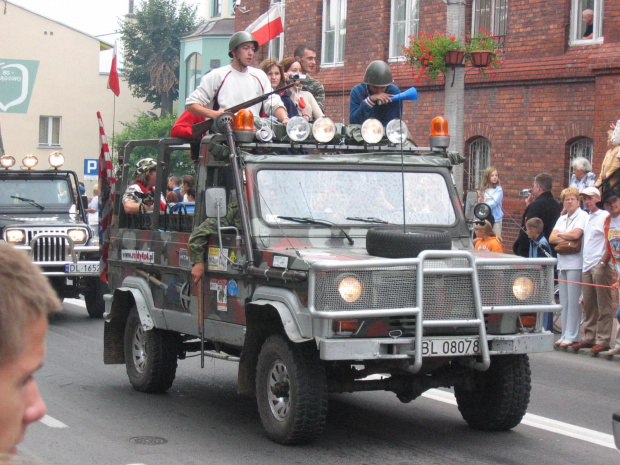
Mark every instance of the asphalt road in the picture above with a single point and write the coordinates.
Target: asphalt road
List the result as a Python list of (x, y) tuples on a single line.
[(95, 416)]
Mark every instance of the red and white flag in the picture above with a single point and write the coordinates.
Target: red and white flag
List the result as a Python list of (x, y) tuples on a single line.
[(268, 26), (113, 83), (107, 181)]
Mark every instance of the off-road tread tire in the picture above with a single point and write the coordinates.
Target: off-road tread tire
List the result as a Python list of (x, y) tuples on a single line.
[(161, 357), (396, 243), (308, 388), (503, 397), (95, 305)]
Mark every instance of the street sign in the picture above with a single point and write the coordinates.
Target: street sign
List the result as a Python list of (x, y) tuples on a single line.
[(91, 168)]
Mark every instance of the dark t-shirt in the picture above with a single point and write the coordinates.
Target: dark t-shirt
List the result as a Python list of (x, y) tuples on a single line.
[(548, 210)]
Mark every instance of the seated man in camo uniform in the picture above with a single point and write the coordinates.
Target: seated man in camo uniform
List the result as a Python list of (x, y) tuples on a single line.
[(199, 240)]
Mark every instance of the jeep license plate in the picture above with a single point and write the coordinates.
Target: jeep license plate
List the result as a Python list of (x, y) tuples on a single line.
[(82, 268), (445, 347)]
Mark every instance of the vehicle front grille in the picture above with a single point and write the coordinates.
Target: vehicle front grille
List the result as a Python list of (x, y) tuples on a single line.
[(48, 248)]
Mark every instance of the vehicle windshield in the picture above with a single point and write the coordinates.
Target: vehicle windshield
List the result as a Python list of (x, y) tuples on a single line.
[(355, 197), (32, 194)]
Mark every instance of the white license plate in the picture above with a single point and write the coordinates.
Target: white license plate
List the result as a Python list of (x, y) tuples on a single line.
[(82, 268), (444, 347)]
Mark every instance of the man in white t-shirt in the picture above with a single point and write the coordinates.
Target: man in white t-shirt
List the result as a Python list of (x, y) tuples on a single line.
[(236, 83), (597, 302), (611, 202)]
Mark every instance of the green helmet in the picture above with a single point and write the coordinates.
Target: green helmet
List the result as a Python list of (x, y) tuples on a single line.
[(144, 165), (239, 38), (378, 74)]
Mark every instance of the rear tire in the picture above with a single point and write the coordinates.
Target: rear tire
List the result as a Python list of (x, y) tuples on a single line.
[(503, 394), (150, 356), (291, 391)]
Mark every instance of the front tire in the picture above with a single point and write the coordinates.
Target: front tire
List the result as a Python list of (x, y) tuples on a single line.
[(150, 356), (503, 394), (291, 391), (95, 305)]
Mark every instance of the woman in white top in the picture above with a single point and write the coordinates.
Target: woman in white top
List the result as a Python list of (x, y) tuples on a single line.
[(307, 105), (569, 226)]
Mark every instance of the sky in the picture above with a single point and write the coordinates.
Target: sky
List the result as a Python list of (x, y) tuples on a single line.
[(98, 18)]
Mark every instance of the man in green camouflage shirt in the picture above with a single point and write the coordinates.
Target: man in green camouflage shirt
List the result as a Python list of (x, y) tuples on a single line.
[(306, 56), (199, 240)]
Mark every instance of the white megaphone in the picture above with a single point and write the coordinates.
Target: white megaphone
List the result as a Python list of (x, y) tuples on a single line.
[(409, 94)]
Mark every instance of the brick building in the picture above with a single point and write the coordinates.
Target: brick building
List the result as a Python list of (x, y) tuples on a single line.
[(553, 99)]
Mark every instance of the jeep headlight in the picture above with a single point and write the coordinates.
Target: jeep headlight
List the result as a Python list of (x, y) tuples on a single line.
[(78, 236), (350, 289), (523, 288), (15, 236), (372, 131)]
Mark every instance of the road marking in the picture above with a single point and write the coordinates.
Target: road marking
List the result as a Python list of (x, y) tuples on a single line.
[(78, 302), (536, 421), (52, 422)]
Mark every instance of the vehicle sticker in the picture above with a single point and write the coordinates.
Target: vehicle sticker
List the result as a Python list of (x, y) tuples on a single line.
[(232, 288), (184, 259), (233, 256), (220, 288), (280, 261), (217, 262), (143, 256)]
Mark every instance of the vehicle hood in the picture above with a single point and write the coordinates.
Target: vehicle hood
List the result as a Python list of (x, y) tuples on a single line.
[(47, 220)]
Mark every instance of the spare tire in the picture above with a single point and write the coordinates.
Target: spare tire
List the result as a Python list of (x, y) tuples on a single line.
[(396, 243)]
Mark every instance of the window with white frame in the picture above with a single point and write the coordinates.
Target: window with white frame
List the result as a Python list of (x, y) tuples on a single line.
[(276, 46), (49, 131), (490, 16), (193, 72), (479, 160), (403, 23), (334, 31), (216, 8), (580, 148), (586, 22)]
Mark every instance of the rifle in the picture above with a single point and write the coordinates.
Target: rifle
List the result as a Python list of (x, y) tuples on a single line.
[(199, 129)]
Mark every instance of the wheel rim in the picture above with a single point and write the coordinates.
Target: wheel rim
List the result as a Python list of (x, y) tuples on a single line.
[(139, 349), (278, 390)]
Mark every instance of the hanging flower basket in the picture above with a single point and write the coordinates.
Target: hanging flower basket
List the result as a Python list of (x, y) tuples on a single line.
[(427, 53), (454, 57), (480, 58)]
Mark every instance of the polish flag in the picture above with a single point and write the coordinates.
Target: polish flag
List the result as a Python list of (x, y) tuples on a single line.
[(268, 26), (113, 83)]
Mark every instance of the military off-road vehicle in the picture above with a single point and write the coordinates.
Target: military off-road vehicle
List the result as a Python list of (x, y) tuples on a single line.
[(353, 269), (41, 214)]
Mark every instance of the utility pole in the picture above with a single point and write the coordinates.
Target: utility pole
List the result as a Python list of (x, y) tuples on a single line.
[(454, 93)]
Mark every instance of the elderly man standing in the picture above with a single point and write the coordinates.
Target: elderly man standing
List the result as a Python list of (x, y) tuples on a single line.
[(306, 56), (597, 304), (26, 301)]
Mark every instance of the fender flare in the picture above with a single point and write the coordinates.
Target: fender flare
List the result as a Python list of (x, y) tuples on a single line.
[(142, 296), (297, 324)]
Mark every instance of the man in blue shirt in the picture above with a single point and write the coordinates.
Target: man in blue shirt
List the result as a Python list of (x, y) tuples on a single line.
[(372, 98)]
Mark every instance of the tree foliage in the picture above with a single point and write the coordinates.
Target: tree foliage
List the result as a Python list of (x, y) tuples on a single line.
[(151, 41), (150, 126)]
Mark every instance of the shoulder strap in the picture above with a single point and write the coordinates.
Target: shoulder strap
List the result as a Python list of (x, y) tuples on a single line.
[(216, 104)]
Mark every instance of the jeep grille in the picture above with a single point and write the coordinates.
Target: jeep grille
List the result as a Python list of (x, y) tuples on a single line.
[(48, 249)]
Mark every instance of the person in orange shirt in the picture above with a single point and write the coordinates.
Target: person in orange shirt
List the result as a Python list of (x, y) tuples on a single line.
[(486, 238)]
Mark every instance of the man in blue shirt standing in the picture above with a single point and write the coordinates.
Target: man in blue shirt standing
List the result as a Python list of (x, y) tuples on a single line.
[(372, 98)]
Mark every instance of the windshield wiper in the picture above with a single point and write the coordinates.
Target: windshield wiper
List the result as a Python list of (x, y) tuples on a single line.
[(370, 219), (319, 222), (30, 201)]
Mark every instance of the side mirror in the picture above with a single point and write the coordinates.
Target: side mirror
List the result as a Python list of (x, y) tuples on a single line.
[(215, 199), (84, 200), (471, 199)]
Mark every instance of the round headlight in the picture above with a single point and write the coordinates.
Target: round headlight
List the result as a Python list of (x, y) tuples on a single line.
[(298, 129), (15, 236), (56, 160), (350, 289), (30, 161), (323, 129), (77, 235), (7, 161), (396, 131), (482, 211), (523, 288), (372, 131)]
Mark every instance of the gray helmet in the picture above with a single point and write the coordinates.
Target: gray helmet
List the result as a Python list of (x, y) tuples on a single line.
[(239, 38), (144, 165), (378, 74)]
